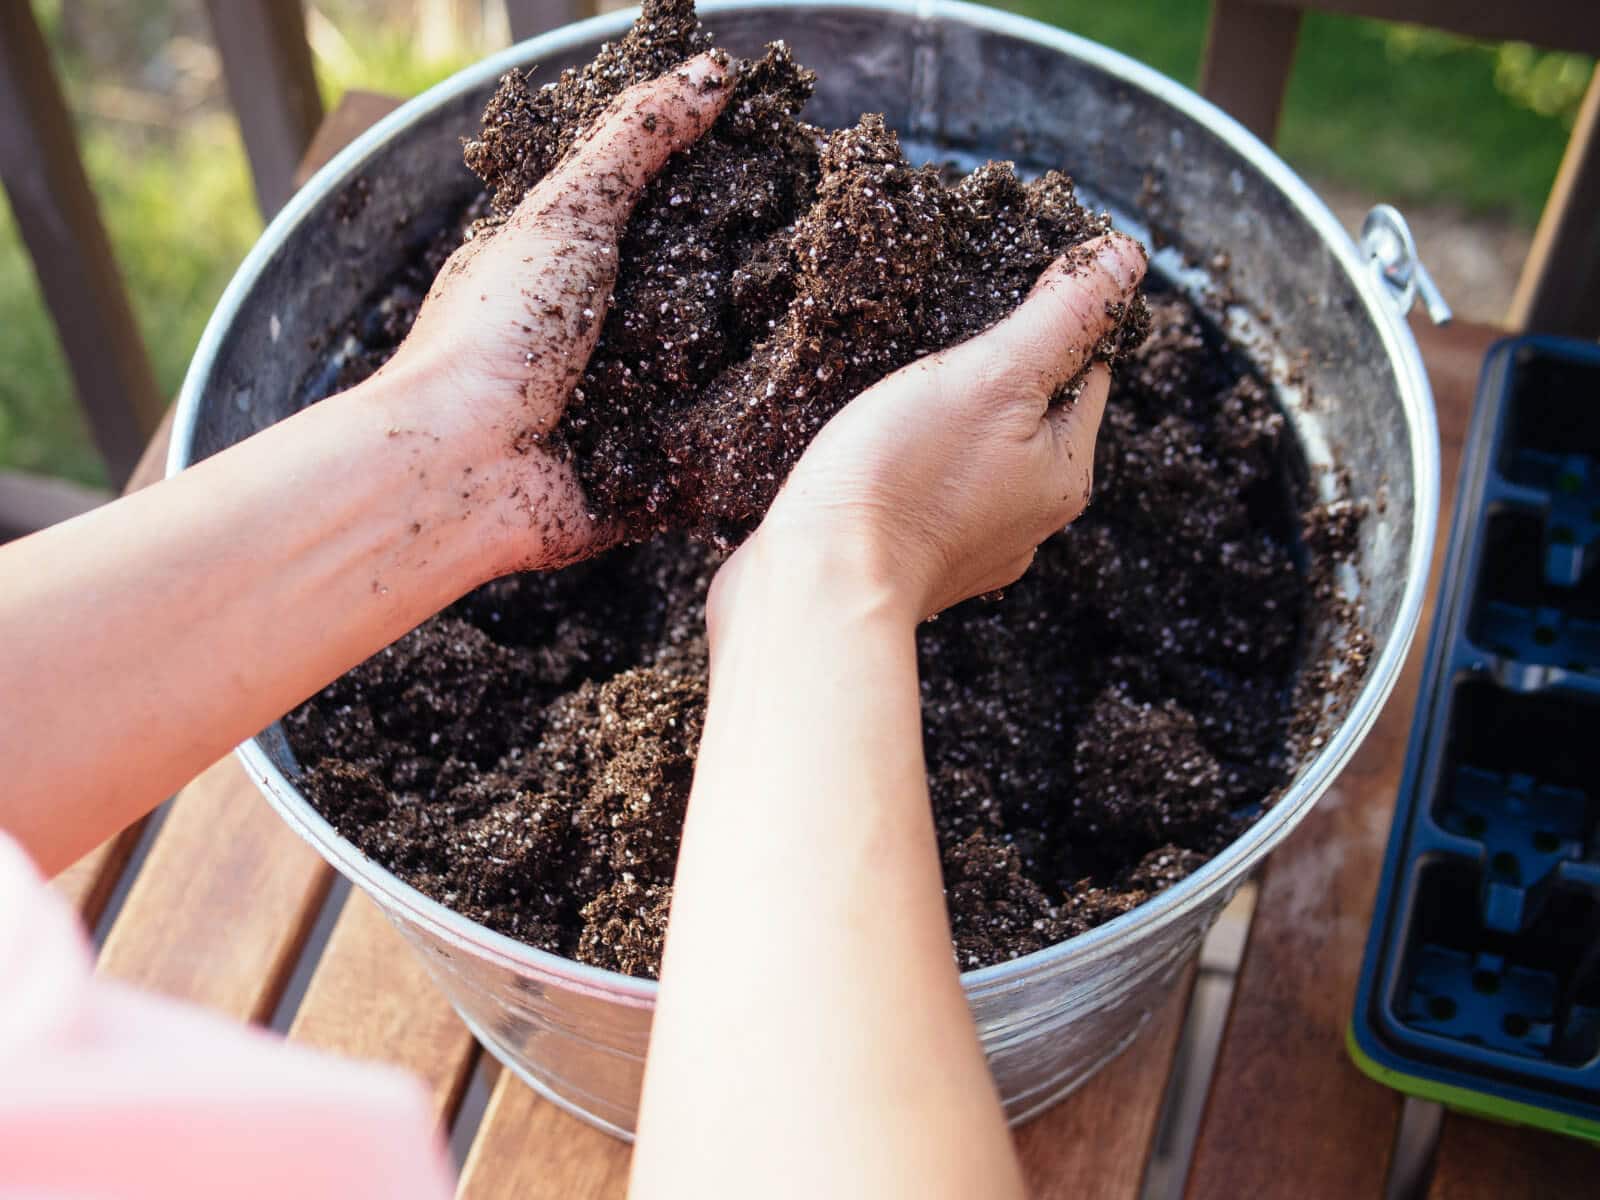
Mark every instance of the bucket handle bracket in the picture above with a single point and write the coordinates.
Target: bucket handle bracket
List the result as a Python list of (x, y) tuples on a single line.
[(1392, 253)]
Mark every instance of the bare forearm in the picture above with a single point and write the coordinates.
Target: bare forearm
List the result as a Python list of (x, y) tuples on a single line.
[(809, 998), (165, 628), (809, 995)]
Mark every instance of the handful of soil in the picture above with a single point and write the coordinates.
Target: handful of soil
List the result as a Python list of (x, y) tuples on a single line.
[(770, 274)]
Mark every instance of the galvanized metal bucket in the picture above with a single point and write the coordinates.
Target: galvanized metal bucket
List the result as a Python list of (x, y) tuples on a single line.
[(974, 83)]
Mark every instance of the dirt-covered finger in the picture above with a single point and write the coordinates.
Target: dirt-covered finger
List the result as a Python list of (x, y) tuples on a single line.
[(1078, 300), (1073, 428), (592, 191), (565, 295)]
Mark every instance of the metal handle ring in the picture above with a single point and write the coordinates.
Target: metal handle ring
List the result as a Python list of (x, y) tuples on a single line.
[(1392, 251)]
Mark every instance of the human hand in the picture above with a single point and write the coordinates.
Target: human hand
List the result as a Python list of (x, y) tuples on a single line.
[(939, 482), (510, 322), (424, 481)]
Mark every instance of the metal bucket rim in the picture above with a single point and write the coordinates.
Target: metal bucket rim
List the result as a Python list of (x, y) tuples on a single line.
[(1145, 919)]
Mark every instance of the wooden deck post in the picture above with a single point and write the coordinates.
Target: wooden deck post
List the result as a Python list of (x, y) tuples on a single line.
[(1559, 291), (272, 87), (1249, 52), (60, 223)]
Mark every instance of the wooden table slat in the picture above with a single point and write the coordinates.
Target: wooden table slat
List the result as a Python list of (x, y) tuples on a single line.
[(1482, 1160), (528, 1148), (371, 998), (223, 903), (1284, 1090), (1096, 1144), (88, 883)]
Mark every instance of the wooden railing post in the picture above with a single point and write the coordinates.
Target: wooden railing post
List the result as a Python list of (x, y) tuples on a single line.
[(531, 17), (1559, 291), (60, 224), (272, 86), (1249, 52)]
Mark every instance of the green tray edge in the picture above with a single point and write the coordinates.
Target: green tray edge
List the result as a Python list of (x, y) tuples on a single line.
[(1465, 1100)]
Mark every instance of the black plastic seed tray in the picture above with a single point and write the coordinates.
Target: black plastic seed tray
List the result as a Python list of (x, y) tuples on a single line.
[(1481, 982)]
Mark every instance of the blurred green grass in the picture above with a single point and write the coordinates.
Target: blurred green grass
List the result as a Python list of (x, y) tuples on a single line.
[(1415, 117), (179, 221)]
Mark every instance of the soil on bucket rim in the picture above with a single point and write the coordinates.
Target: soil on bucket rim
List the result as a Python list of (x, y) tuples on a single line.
[(1093, 737)]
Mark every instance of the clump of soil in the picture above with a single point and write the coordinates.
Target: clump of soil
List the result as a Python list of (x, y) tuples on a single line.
[(1128, 707), (770, 274)]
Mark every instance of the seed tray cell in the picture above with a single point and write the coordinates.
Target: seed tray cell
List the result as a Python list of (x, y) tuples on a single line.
[(1481, 982), (1524, 610)]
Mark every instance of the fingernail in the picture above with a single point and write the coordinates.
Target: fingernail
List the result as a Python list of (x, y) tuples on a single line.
[(1122, 258), (706, 71)]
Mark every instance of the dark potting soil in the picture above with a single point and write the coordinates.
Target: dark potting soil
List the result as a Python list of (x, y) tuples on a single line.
[(525, 757), (1118, 717)]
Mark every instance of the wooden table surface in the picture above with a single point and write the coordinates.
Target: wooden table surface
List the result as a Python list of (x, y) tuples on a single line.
[(229, 909)]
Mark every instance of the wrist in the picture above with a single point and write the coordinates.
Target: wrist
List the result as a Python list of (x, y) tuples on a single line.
[(424, 408), (790, 577), (438, 470)]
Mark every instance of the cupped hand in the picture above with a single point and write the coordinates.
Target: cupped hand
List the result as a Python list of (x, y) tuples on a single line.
[(508, 327), (939, 482)]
